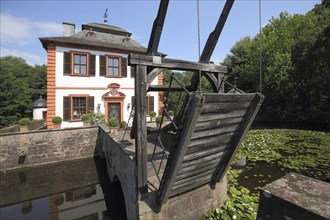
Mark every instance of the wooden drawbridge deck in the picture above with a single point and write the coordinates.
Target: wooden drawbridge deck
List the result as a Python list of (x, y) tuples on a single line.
[(213, 126)]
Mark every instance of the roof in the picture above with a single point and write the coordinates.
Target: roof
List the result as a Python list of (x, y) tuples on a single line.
[(101, 35), (40, 103), (105, 28)]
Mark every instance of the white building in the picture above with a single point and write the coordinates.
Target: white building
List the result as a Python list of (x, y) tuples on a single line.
[(88, 71)]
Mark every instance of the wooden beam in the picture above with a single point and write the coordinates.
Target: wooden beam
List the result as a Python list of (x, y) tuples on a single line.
[(141, 128), (157, 28), (195, 103), (214, 36), (139, 59), (163, 88), (153, 74)]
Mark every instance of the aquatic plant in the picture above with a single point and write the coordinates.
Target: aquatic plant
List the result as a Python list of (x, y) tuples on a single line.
[(304, 152)]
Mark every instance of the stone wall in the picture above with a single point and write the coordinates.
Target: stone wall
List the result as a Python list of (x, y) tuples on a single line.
[(189, 205), (41, 147), (120, 167), (295, 197)]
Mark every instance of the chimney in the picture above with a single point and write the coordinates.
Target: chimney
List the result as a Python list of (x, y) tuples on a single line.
[(68, 29)]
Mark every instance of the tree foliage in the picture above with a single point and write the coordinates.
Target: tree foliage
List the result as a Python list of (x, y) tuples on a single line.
[(184, 77), (21, 84), (295, 66)]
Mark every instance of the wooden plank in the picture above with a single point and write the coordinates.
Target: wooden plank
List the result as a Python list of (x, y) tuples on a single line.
[(217, 123), (188, 186), (192, 179), (191, 185), (228, 97), (223, 115), (205, 153), (139, 59), (215, 131), (152, 75), (206, 159), (248, 119), (157, 27), (198, 166), (176, 156), (195, 172), (214, 36), (206, 147), (217, 107), (141, 129), (211, 141), (163, 88)]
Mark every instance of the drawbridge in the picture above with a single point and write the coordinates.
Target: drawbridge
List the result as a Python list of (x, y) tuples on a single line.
[(200, 142), (188, 155)]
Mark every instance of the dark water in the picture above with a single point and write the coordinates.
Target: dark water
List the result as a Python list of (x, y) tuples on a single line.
[(78, 189)]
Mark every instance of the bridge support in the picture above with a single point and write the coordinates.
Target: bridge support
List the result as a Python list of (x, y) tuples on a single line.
[(189, 205)]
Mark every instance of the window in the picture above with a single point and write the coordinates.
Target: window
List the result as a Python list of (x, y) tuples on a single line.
[(78, 63), (75, 106), (78, 107), (113, 66)]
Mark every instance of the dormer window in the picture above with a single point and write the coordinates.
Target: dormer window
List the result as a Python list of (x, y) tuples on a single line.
[(90, 34)]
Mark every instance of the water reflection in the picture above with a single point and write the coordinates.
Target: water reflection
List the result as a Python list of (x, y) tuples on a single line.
[(67, 190)]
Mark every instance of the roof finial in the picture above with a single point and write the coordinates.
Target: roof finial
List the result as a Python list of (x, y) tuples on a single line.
[(106, 16)]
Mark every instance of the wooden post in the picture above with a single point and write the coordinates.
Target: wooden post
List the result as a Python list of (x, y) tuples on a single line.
[(141, 128)]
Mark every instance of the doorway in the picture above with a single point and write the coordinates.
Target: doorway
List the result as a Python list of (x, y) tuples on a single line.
[(114, 110)]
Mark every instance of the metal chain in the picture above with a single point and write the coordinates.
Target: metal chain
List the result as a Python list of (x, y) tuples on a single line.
[(199, 34)]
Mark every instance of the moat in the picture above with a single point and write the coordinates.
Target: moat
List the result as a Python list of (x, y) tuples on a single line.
[(56, 191)]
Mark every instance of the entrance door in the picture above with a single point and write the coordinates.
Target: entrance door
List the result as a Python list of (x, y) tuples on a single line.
[(114, 111)]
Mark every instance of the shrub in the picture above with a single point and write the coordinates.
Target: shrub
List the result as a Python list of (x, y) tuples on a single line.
[(159, 118), (123, 124), (86, 118), (113, 122), (57, 120), (153, 114), (171, 112), (24, 121)]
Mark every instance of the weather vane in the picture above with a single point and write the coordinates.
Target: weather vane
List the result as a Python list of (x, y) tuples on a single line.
[(106, 16)]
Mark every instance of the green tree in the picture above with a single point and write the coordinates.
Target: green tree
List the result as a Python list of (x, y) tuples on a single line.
[(295, 69), (21, 84), (38, 81)]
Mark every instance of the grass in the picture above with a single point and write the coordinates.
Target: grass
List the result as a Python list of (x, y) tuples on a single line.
[(272, 153)]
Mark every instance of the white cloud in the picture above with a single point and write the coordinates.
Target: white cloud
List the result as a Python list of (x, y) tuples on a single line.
[(23, 31), (30, 58)]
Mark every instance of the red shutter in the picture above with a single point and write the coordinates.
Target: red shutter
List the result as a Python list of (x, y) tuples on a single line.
[(91, 65), (66, 108), (103, 68), (67, 63)]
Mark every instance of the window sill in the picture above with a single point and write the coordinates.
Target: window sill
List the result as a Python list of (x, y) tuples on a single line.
[(119, 77)]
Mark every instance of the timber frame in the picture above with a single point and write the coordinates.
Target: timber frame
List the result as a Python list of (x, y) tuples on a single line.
[(212, 125)]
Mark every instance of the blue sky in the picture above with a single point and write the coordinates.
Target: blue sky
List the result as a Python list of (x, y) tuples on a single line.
[(22, 22)]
